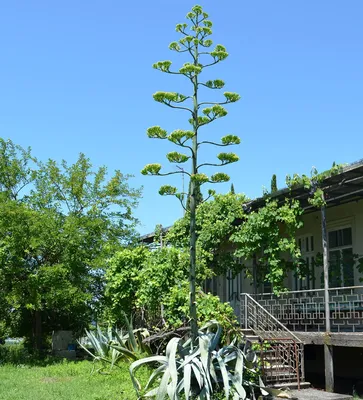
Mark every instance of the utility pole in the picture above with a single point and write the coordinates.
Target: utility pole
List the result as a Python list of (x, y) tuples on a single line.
[(328, 348)]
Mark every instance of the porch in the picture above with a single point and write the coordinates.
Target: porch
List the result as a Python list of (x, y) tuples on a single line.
[(304, 310)]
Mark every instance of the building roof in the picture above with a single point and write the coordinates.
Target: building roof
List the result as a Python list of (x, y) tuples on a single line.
[(341, 188)]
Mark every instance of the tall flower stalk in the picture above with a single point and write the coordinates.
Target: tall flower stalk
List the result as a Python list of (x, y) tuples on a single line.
[(195, 42)]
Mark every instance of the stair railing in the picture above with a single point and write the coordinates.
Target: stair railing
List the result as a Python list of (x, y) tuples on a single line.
[(286, 346)]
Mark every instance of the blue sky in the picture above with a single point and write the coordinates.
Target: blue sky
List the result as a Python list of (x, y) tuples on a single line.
[(76, 76)]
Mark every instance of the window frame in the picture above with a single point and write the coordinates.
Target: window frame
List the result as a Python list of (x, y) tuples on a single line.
[(340, 249)]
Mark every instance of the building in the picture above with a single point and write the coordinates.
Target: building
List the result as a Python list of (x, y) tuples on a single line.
[(295, 321)]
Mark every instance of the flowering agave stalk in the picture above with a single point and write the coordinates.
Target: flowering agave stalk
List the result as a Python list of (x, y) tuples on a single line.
[(195, 42), (198, 371)]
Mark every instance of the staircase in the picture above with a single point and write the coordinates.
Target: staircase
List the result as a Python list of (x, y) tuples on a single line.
[(281, 352)]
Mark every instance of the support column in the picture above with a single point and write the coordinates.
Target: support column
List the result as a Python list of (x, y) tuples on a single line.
[(328, 348)]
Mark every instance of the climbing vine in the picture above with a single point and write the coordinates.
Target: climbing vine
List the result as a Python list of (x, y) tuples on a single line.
[(268, 236)]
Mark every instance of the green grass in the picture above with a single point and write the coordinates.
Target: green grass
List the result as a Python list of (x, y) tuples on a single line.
[(64, 381)]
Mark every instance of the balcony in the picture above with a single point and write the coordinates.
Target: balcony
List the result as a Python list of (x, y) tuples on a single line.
[(304, 311)]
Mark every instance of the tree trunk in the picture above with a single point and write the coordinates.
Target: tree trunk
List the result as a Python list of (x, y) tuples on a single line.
[(37, 331)]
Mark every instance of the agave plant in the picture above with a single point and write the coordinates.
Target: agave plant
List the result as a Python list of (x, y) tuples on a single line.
[(198, 371), (111, 346)]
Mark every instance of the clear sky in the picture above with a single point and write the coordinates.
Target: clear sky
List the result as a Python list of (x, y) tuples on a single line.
[(76, 76)]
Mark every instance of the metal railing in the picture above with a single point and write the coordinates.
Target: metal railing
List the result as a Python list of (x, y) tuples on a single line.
[(282, 351), (304, 310), (281, 361)]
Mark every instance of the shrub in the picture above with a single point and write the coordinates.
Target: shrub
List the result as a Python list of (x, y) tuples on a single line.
[(14, 354), (209, 307)]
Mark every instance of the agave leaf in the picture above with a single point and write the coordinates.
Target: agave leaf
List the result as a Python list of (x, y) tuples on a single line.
[(197, 372), (238, 369), (156, 373), (96, 343), (163, 387), (187, 380), (109, 333), (239, 389), (132, 338), (204, 345), (224, 373), (119, 338), (171, 354), (137, 364), (101, 335), (212, 372), (262, 387), (191, 357), (152, 393), (217, 336), (115, 355), (231, 355), (85, 348), (124, 351), (204, 394)]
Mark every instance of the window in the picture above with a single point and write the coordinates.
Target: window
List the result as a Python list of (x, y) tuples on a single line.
[(341, 261), (306, 245)]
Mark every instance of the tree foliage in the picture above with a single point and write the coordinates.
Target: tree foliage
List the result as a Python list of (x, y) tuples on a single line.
[(215, 225), (273, 184), (58, 225)]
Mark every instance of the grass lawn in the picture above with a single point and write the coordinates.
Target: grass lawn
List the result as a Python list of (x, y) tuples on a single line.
[(64, 381)]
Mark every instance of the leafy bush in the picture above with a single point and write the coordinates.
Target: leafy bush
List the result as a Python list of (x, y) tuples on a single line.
[(139, 280), (199, 370), (14, 354), (123, 281), (163, 269), (209, 307)]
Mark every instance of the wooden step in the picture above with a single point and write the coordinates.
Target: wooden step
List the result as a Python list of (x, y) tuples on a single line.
[(252, 338), (291, 385), (248, 332)]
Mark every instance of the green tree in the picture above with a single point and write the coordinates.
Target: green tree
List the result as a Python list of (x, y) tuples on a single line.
[(194, 43), (58, 226), (232, 191), (273, 184)]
